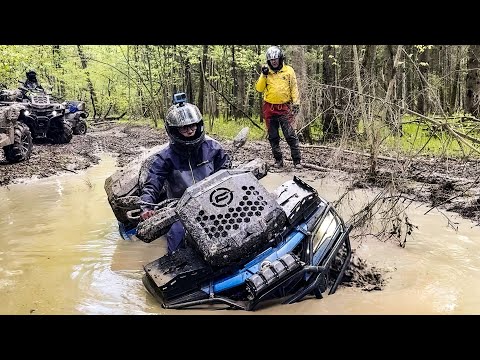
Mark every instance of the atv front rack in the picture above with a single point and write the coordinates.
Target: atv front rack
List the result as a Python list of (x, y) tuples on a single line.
[(308, 255), (314, 279)]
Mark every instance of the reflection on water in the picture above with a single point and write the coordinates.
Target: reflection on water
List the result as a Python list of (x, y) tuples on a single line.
[(60, 253)]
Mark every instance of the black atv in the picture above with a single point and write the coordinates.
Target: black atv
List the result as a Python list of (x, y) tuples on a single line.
[(45, 117), (15, 136), (76, 115)]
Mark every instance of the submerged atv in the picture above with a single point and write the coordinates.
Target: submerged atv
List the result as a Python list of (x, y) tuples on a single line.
[(244, 245), (45, 117), (76, 115), (15, 137)]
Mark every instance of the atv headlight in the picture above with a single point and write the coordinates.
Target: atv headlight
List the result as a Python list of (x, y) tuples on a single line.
[(26, 112), (54, 113)]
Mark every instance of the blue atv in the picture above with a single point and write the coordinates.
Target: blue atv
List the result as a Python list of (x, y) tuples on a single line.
[(76, 115), (245, 245)]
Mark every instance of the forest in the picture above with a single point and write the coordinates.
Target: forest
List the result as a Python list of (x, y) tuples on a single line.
[(361, 96)]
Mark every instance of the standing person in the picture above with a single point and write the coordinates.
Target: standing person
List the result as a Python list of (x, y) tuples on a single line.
[(191, 156), (281, 103)]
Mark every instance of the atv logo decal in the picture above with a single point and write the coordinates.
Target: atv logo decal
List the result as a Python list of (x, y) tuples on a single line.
[(221, 197)]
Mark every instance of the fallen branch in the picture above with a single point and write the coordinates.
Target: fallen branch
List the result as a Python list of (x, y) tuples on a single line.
[(348, 151), (103, 122), (110, 118), (73, 171), (316, 167), (319, 168)]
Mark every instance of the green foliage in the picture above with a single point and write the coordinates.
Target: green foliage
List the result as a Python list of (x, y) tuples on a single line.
[(139, 81), (421, 139), (229, 129)]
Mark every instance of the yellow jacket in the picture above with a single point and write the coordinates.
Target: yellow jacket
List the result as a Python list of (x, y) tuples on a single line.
[(279, 87)]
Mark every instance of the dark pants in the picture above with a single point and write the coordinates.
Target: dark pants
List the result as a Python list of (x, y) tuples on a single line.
[(276, 116), (175, 236)]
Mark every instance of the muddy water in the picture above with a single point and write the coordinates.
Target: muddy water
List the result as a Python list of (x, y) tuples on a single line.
[(60, 253)]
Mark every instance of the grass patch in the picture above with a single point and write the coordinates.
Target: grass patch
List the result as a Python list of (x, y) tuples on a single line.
[(423, 139), (221, 128), (228, 129)]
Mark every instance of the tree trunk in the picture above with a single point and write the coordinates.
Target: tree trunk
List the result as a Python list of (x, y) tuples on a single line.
[(150, 84), (260, 95), (188, 81), (234, 110), (349, 124), (423, 105), (330, 126), (388, 54), (369, 126), (201, 87), (367, 69), (456, 79), (58, 65), (93, 96), (410, 79), (472, 81), (300, 68), (392, 117)]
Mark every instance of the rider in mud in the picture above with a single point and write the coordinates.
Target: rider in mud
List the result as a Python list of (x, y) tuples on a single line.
[(191, 156), (31, 82)]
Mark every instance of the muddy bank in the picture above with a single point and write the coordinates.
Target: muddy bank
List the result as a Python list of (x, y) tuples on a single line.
[(48, 159)]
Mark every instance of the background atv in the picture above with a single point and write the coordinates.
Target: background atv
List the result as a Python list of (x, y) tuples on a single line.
[(76, 115), (15, 136), (45, 117)]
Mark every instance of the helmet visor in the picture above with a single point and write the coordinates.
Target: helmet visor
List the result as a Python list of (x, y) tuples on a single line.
[(187, 130)]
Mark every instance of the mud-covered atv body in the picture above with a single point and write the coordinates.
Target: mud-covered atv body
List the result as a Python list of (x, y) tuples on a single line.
[(45, 117), (15, 136), (245, 245), (76, 115)]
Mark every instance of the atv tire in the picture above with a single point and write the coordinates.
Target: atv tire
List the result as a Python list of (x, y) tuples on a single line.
[(22, 147), (80, 128), (61, 133)]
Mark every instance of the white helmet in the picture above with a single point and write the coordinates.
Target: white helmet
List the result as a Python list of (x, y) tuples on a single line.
[(274, 52)]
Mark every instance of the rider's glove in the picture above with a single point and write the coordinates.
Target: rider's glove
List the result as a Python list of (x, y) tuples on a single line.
[(147, 214), (265, 70)]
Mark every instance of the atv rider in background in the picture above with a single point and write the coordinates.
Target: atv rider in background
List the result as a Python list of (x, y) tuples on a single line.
[(190, 157), (31, 82)]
